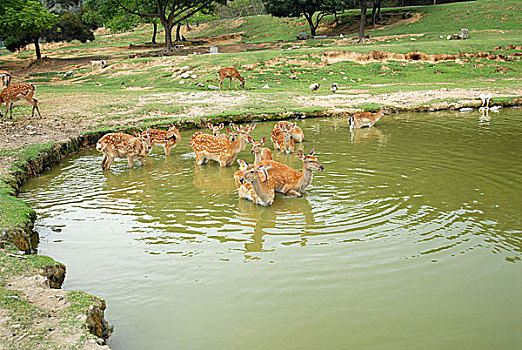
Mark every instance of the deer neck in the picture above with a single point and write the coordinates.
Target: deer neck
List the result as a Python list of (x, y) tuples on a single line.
[(238, 145), (257, 157), (306, 178), (260, 190)]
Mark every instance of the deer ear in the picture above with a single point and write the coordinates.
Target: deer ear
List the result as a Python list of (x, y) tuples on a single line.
[(252, 127), (221, 125), (281, 127), (171, 125), (263, 140), (312, 151), (148, 132), (301, 155), (228, 130), (209, 126), (251, 140), (236, 127)]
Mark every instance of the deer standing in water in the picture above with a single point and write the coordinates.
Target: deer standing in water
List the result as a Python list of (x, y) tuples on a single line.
[(297, 132), (364, 119), (260, 152), (17, 92), (255, 184), (123, 146), (5, 77), (168, 138), (224, 151), (230, 73), (282, 137), (290, 181)]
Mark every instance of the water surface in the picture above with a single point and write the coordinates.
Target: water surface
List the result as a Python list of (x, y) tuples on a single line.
[(410, 238)]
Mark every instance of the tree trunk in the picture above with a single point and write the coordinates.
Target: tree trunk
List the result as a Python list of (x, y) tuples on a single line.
[(363, 20), (379, 18), (336, 19), (168, 36), (37, 49), (374, 12), (311, 24), (155, 31), (188, 27), (178, 28)]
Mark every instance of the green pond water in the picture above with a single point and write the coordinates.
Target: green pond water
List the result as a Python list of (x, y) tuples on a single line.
[(410, 239)]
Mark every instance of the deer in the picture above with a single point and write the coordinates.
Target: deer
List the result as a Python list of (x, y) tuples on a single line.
[(297, 132), (121, 145), (224, 151), (216, 129), (5, 77), (101, 63), (255, 184), (314, 87), (292, 182), (282, 137), (485, 99), (364, 119), (230, 73), (168, 138), (260, 152), (17, 92)]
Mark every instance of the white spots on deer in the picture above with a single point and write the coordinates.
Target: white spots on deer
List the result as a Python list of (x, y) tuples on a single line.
[(18, 92)]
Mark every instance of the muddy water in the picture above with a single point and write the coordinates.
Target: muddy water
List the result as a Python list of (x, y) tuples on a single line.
[(410, 238)]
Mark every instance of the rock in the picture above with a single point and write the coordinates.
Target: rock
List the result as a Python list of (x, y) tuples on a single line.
[(265, 87), (193, 76), (466, 109), (184, 69), (212, 87), (185, 75)]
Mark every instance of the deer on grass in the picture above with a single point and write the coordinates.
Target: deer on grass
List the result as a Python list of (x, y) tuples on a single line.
[(282, 137), (364, 119), (124, 146), (17, 92), (254, 183), (209, 147), (260, 152), (230, 73), (168, 138), (290, 181), (5, 77)]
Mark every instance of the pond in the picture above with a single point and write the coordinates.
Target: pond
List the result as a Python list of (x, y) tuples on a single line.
[(410, 238)]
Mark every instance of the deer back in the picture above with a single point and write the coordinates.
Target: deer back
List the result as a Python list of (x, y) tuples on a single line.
[(124, 145), (282, 137), (17, 92)]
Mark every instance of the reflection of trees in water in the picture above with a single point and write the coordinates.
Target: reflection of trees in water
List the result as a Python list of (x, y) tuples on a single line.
[(287, 214), (367, 134)]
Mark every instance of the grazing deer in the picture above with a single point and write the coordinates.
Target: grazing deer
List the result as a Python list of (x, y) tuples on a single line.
[(230, 73), (290, 181), (224, 151), (123, 146), (168, 138), (297, 132), (364, 119), (17, 92), (282, 137), (5, 76), (314, 87), (101, 63), (334, 87), (255, 184), (260, 152)]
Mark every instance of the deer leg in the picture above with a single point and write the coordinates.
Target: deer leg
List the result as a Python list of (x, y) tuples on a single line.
[(167, 149), (10, 110), (291, 192), (104, 160), (230, 84), (35, 105), (131, 162), (235, 83), (108, 162)]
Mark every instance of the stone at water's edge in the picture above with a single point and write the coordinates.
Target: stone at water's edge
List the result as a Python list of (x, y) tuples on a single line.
[(96, 322)]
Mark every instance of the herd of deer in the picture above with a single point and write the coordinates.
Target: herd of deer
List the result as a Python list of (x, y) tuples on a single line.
[(257, 182), (13, 93)]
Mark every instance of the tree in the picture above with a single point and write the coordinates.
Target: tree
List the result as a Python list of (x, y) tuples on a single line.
[(23, 21), (313, 10), (363, 4), (169, 12)]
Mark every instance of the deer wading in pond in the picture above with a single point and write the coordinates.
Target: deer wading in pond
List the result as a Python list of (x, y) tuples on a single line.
[(282, 137), (168, 138), (290, 181), (210, 147), (254, 183), (364, 119), (17, 92), (121, 145), (230, 73), (260, 152)]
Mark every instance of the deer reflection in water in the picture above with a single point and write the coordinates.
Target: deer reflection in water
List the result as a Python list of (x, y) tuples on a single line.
[(214, 180), (287, 217), (367, 134)]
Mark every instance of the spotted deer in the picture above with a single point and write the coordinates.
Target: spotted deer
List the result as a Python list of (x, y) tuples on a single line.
[(224, 151), (230, 73), (168, 138), (216, 129), (119, 145), (282, 137), (260, 152), (17, 92), (364, 119), (290, 181), (255, 184), (5, 77), (297, 132)]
